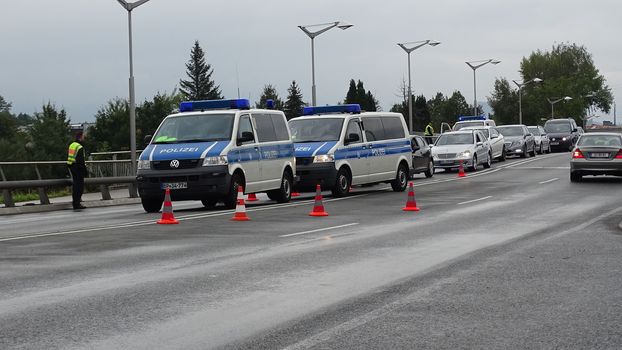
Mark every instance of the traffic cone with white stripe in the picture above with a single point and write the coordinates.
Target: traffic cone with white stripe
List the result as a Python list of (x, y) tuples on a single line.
[(461, 172), (252, 197), (318, 207), (167, 210), (411, 203), (240, 209)]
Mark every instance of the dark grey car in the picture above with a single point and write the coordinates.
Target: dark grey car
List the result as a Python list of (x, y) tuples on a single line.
[(596, 154), (518, 140), (422, 157)]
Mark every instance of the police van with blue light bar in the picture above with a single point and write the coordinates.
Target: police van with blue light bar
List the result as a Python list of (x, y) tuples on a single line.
[(479, 121), (340, 146), (210, 148)]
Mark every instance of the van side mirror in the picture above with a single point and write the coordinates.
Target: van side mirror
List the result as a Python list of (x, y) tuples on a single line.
[(352, 138), (246, 137), (147, 139)]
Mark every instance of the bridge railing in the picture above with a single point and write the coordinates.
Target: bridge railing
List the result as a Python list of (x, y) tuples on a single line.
[(103, 173)]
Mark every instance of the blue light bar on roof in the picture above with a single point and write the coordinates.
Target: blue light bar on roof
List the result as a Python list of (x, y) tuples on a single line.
[(471, 117), (350, 108), (189, 106)]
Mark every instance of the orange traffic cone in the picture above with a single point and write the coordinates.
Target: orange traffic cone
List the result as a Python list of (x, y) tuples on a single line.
[(167, 211), (240, 209), (461, 170), (295, 194), (411, 203), (252, 197), (318, 207)]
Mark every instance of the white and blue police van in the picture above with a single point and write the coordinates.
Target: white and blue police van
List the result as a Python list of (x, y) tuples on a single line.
[(210, 148), (340, 146)]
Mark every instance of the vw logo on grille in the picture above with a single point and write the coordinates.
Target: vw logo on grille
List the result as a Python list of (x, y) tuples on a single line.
[(174, 163)]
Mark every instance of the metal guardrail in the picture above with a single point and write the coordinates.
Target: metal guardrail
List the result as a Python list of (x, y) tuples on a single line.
[(108, 172)]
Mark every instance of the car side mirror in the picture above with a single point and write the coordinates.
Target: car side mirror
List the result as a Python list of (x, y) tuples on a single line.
[(479, 144), (493, 137), (415, 147), (147, 139), (352, 138), (575, 130), (246, 137)]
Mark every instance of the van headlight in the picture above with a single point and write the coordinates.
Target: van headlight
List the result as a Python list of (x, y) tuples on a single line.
[(144, 165), (324, 158), (219, 160)]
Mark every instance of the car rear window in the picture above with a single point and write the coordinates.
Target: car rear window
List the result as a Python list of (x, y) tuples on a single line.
[(600, 140)]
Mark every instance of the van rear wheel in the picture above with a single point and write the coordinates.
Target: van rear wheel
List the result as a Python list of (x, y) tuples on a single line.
[(401, 179), (284, 193)]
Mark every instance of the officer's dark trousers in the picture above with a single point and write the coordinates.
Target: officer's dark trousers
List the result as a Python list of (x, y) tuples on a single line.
[(77, 175)]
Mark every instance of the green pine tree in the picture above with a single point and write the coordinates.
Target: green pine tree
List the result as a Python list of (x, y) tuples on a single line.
[(270, 93), (200, 85), (294, 103)]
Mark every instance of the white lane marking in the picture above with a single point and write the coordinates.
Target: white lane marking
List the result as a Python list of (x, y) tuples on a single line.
[(475, 200), (403, 303), (319, 230), (545, 167), (548, 181)]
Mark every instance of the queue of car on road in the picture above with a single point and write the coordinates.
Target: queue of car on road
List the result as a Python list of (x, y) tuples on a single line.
[(210, 149)]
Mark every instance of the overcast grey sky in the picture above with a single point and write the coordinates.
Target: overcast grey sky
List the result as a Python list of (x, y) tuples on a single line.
[(74, 53)]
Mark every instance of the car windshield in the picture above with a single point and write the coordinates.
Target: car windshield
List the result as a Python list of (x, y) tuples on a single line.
[(461, 125), (315, 130), (195, 128), (510, 131), (534, 131), (557, 127), (455, 139), (600, 140)]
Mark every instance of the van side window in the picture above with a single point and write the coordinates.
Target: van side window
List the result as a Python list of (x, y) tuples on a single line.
[(393, 128), (280, 127), (354, 128), (374, 130), (245, 126), (265, 128)]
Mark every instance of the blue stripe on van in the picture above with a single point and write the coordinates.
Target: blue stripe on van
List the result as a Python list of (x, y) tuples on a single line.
[(307, 149), (258, 152), (167, 151)]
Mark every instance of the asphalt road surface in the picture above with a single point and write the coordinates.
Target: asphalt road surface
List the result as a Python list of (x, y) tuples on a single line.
[(511, 257)]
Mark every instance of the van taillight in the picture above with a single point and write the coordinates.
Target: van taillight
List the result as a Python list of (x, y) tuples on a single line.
[(578, 154)]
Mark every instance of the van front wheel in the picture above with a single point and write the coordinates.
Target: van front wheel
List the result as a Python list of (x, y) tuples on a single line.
[(231, 199), (401, 179), (343, 183)]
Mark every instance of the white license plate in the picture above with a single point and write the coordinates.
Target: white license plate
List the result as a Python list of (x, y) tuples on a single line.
[(447, 162), (554, 143), (174, 185), (599, 155)]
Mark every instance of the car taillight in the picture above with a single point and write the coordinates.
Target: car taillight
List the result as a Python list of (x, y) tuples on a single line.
[(578, 154), (619, 155)]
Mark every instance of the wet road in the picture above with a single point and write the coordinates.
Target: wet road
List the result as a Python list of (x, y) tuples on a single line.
[(515, 256)]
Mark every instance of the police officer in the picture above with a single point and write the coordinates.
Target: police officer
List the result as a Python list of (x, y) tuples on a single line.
[(77, 168), (429, 132)]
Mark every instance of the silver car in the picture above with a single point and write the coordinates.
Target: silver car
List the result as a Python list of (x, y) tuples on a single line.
[(543, 144), (494, 138), (467, 147), (596, 154)]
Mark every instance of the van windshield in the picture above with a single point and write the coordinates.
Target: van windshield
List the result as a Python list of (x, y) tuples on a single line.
[(315, 130), (460, 125), (557, 127), (195, 128)]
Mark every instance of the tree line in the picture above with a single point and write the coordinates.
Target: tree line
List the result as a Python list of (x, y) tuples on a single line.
[(566, 70)]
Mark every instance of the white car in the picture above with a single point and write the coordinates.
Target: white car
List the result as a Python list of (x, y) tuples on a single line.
[(494, 139), (468, 147)]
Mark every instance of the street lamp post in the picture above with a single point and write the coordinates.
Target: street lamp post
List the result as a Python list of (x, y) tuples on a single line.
[(474, 65), (408, 48), (129, 6), (324, 27), (520, 96), (554, 100)]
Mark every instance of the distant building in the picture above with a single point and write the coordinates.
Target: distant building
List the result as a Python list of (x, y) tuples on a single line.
[(81, 127)]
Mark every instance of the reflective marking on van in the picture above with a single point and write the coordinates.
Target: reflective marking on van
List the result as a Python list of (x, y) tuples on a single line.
[(151, 154), (318, 149), (207, 150)]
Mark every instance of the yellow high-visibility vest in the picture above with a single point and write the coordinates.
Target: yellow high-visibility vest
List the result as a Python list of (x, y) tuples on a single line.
[(74, 148)]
